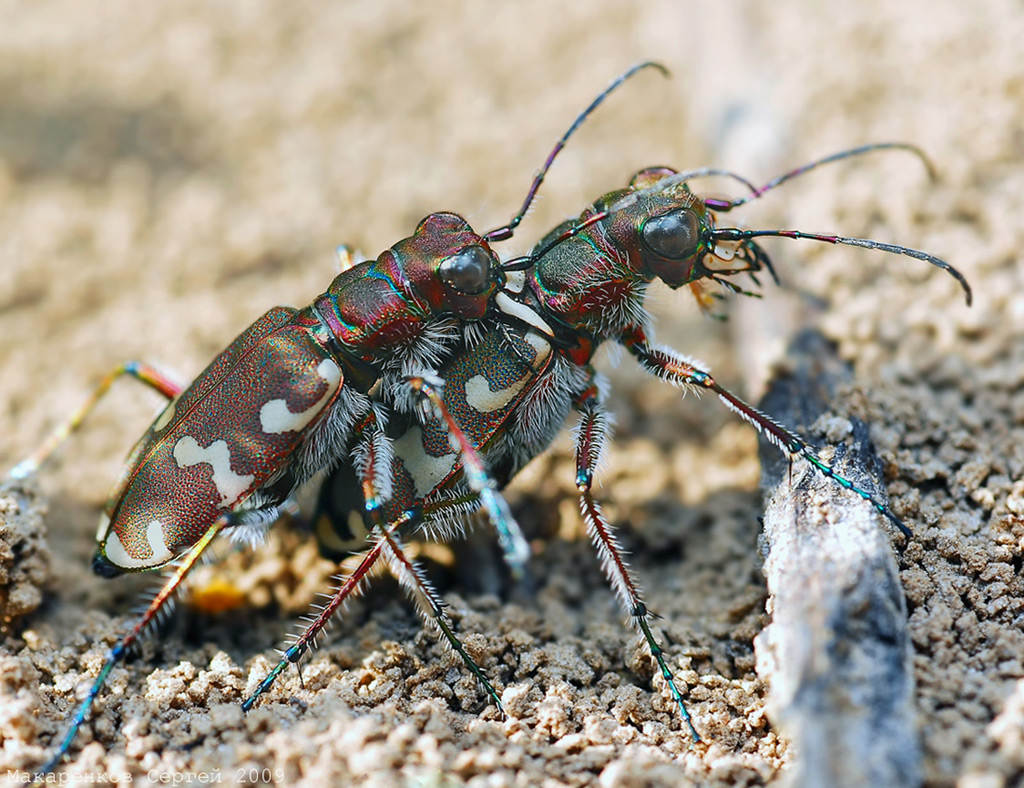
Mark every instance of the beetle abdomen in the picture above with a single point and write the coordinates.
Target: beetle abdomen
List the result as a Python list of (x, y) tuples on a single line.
[(228, 433)]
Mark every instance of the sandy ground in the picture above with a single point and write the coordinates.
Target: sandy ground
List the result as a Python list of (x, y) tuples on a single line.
[(167, 173)]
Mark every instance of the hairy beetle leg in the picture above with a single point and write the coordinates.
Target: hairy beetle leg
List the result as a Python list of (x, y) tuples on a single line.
[(670, 366), (142, 372), (121, 650), (375, 471), (480, 481), (408, 575), (431, 607), (350, 585), (593, 430)]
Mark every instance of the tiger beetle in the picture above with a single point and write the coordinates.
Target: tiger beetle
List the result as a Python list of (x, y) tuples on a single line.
[(299, 392), (429, 376), (502, 399)]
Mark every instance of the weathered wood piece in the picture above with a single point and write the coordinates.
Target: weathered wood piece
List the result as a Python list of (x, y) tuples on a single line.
[(837, 653)]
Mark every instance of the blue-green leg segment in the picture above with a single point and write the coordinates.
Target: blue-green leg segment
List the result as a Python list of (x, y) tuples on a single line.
[(669, 366), (121, 650)]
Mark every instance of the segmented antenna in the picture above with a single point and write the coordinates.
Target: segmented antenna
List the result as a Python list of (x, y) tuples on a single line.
[(505, 232), (735, 234), (728, 205)]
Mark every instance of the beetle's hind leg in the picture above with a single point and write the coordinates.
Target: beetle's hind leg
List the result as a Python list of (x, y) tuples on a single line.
[(118, 653), (144, 373), (374, 463)]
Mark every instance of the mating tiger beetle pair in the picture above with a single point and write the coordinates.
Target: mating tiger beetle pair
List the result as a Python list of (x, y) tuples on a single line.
[(422, 382)]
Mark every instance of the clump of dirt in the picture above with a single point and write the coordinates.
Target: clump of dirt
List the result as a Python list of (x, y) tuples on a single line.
[(24, 553)]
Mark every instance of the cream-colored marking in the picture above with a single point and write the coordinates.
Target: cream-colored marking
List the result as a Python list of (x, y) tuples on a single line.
[(514, 281), (483, 400), (118, 556), (541, 345), (155, 535), (505, 303), (426, 471), (357, 527), (275, 416), (330, 539), (165, 417), (726, 250), (228, 483), (104, 525)]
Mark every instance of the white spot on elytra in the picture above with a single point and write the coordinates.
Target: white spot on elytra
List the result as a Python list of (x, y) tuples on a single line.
[(165, 417), (275, 417), (426, 471), (118, 556), (541, 345), (228, 483), (101, 531), (483, 400), (155, 534)]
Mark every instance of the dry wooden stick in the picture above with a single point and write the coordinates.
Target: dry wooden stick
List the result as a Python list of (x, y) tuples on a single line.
[(837, 653)]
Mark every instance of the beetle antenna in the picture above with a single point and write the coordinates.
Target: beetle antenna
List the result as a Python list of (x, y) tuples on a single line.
[(728, 205), (735, 234), (505, 232)]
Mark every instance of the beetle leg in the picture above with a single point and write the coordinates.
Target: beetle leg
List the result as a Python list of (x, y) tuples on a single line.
[(346, 257), (480, 481), (374, 460), (382, 538), (674, 368), (593, 430), (430, 605), (351, 585), (121, 650), (145, 373)]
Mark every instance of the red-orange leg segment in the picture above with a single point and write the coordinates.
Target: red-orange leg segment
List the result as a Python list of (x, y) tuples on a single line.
[(480, 481), (144, 373)]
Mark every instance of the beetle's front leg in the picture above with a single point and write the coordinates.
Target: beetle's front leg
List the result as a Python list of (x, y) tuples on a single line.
[(593, 431), (513, 544), (671, 366)]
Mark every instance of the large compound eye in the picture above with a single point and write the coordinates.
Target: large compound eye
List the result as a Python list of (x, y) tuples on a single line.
[(469, 271), (673, 235)]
